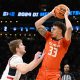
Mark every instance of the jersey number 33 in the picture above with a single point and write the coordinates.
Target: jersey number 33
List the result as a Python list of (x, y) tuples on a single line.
[(53, 51)]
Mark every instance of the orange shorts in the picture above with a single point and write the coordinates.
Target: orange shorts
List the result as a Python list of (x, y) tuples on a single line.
[(48, 75)]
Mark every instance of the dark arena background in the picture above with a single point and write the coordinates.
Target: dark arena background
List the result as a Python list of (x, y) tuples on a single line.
[(17, 18)]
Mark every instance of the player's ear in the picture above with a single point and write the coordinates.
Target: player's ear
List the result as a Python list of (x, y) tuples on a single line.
[(16, 49)]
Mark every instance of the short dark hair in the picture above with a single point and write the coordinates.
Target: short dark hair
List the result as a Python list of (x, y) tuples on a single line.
[(14, 44), (60, 25)]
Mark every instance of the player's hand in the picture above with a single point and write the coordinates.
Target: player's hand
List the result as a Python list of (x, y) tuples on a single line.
[(39, 56), (67, 13), (53, 12)]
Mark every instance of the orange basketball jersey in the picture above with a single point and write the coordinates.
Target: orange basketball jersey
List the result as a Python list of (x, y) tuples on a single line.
[(54, 52)]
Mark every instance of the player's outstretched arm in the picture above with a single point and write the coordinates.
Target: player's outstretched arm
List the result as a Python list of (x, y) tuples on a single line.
[(39, 23), (68, 32), (24, 68)]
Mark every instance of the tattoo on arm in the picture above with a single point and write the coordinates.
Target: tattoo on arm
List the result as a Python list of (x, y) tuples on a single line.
[(42, 31)]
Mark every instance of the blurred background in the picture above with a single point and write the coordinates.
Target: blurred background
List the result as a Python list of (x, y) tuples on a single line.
[(17, 18)]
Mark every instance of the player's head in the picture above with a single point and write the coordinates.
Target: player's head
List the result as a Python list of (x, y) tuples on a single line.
[(66, 68), (58, 28), (16, 46)]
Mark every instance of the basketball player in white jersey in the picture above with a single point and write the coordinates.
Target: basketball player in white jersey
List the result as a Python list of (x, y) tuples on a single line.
[(16, 66)]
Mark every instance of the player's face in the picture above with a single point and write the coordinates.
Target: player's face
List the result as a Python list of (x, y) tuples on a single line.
[(55, 31), (21, 48)]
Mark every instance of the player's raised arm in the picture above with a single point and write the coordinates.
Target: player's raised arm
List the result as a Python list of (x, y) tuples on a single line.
[(68, 32), (39, 23)]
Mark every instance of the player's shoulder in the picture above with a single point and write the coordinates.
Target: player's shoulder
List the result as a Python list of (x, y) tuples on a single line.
[(47, 35), (15, 57), (65, 40)]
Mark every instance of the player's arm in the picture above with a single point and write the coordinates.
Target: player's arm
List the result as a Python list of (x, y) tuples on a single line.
[(24, 68), (68, 32), (39, 23)]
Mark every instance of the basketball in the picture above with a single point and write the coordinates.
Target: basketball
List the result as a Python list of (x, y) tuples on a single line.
[(60, 11)]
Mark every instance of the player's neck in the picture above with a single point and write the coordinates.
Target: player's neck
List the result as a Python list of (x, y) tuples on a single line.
[(59, 37), (19, 54)]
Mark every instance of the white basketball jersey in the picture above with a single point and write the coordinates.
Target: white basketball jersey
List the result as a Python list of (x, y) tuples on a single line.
[(11, 73)]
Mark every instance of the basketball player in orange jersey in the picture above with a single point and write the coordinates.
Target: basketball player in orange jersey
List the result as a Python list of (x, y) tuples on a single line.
[(57, 43)]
